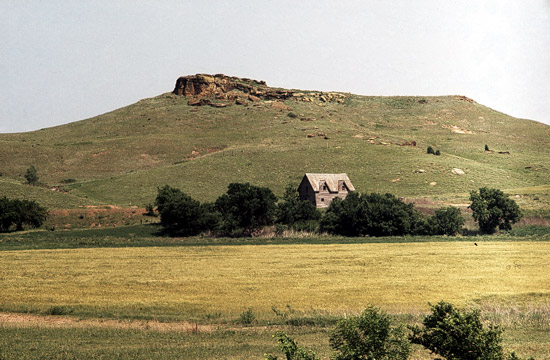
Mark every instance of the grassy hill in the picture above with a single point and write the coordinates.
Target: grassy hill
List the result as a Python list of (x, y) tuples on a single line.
[(122, 157)]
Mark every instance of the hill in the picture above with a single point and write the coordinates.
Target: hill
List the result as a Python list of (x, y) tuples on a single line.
[(214, 129)]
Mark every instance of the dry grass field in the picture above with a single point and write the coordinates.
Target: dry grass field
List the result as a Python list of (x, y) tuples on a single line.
[(145, 302), (198, 282)]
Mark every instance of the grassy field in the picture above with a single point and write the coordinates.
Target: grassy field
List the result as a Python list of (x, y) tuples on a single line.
[(120, 158), (211, 283), (108, 286), (35, 342), (200, 282)]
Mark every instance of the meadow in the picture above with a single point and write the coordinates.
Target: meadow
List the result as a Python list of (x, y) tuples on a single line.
[(300, 285), (122, 157), (96, 282)]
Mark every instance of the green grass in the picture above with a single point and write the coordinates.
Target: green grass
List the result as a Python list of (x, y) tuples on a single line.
[(93, 343), (150, 235), (84, 343), (122, 157)]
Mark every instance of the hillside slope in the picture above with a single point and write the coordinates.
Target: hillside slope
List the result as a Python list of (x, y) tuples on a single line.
[(271, 137)]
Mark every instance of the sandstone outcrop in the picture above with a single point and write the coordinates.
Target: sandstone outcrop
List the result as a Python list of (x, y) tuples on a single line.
[(234, 89)]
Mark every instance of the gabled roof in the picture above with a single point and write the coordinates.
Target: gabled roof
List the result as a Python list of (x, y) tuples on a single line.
[(330, 179)]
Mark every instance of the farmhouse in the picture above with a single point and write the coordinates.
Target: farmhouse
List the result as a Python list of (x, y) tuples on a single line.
[(320, 189)]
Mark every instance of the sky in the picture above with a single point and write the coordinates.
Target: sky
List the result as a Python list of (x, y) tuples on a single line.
[(63, 61)]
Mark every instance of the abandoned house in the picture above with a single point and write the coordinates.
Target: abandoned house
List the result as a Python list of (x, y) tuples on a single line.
[(320, 189)]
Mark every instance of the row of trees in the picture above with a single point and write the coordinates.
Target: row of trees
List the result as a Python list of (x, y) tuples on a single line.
[(449, 332), (245, 209), (385, 215), (15, 213)]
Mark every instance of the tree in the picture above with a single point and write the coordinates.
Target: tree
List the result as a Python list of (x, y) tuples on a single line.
[(31, 175), (369, 336), (17, 213), (458, 335), (373, 215), (430, 150), (491, 208), (445, 221), (180, 214), (293, 211), (291, 349), (486, 148), (246, 208)]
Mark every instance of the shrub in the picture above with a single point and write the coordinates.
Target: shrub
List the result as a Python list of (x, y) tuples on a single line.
[(437, 152), (31, 175), (291, 349), (58, 310), (486, 147), (373, 215), (292, 115), (295, 212), (17, 213), (369, 336), (247, 317), (280, 229), (246, 208), (430, 150), (150, 210), (459, 335), (491, 208), (445, 221)]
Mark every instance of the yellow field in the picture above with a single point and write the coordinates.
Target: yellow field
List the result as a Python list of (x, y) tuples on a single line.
[(194, 281)]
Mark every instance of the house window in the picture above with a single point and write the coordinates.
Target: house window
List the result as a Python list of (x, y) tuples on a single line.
[(322, 199), (343, 187)]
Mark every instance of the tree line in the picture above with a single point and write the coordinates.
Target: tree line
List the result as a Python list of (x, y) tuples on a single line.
[(245, 209)]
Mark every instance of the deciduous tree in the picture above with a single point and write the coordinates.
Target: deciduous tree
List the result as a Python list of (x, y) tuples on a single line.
[(492, 209)]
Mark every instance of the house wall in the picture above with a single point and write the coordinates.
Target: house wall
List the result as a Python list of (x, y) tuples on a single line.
[(324, 198), (305, 191)]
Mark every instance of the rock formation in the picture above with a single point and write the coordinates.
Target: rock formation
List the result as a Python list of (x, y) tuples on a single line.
[(223, 87)]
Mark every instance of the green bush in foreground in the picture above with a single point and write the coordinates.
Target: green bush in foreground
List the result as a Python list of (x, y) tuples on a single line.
[(459, 335), (448, 332), (291, 349), (369, 336)]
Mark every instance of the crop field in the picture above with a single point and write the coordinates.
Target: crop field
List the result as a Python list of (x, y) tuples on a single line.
[(186, 283), (212, 285)]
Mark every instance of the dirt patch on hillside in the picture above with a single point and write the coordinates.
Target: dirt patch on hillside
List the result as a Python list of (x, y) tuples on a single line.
[(455, 129), (48, 321), (96, 216)]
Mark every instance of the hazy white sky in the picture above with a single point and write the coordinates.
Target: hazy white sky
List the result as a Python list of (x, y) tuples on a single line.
[(62, 61)]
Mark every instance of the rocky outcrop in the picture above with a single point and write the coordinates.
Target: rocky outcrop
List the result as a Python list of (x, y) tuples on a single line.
[(231, 88)]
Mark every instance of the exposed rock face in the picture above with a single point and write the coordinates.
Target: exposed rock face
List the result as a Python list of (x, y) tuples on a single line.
[(203, 85), (224, 87)]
